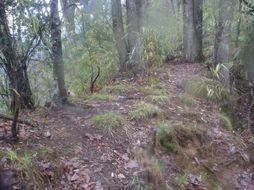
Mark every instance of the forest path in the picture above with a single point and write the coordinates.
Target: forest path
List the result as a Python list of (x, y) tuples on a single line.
[(70, 146)]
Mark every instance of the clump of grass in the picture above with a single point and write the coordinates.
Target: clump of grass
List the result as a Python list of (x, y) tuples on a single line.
[(25, 161), (145, 110), (119, 88), (12, 155), (154, 90), (158, 98), (202, 87), (172, 136), (109, 120), (187, 99), (99, 96), (225, 121), (182, 180), (153, 167)]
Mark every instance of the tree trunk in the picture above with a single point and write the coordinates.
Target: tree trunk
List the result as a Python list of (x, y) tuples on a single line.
[(68, 7), (170, 6), (57, 52), (119, 34), (222, 39), (192, 37), (15, 70), (135, 19)]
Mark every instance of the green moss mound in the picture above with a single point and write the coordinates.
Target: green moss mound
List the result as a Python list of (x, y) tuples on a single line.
[(172, 136)]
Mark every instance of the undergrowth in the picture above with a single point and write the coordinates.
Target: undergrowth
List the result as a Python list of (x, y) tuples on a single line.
[(109, 120), (145, 111), (172, 136), (202, 87), (99, 96)]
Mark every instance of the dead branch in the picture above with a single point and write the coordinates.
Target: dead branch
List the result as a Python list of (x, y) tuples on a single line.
[(22, 121), (93, 80)]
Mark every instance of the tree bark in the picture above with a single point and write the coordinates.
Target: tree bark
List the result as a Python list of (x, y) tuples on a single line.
[(15, 69), (170, 6), (57, 52), (68, 7), (135, 18), (222, 39), (119, 34), (192, 29)]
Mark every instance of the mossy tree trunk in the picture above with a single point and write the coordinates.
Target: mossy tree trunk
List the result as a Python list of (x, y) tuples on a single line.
[(119, 34), (57, 52), (192, 30), (135, 20)]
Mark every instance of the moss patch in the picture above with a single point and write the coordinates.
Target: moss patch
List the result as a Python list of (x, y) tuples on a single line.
[(145, 110), (109, 120), (172, 136)]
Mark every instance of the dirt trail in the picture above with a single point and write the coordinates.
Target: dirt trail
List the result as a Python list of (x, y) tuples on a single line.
[(89, 157)]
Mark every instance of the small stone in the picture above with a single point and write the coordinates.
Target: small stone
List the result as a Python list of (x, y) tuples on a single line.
[(47, 134), (121, 176)]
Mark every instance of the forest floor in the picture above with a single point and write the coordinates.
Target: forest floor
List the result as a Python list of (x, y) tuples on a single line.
[(133, 134)]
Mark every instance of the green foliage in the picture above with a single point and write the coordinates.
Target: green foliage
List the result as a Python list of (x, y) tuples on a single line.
[(156, 48), (187, 99), (202, 87), (25, 161), (182, 180), (109, 120), (159, 98), (12, 155), (172, 136), (225, 121), (145, 111), (160, 38), (99, 96)]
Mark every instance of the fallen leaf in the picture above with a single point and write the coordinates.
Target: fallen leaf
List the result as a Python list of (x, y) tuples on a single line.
[(75, 177), (98, 186)]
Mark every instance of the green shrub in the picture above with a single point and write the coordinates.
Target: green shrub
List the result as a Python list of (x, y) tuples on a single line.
[(172, 136), (187, 99), (109, 120), (145, 110), (225, 121), (202, 87)]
